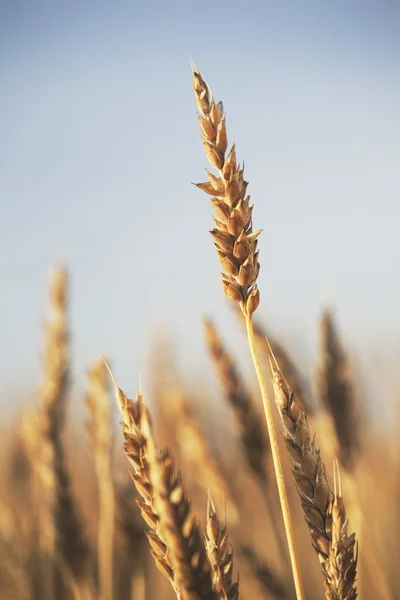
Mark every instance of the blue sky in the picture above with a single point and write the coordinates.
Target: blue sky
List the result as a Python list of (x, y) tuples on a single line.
[(99, 145)]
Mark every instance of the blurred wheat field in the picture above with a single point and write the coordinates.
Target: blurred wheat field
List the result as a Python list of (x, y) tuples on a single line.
[(194, 513)]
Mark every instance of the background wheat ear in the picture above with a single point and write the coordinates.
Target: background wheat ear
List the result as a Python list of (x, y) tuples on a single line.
[(253, 438), (61, 530), (337, 392), (236, 246), (188, 437)]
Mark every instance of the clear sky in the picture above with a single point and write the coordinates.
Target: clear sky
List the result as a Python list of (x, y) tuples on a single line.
[(99, 145)]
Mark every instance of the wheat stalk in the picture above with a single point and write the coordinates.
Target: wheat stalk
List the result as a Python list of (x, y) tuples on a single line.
[(236, 246), (220, 556), (99, 427), (255, 444)]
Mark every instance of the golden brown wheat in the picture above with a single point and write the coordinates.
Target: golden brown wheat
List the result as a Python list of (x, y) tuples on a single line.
[(234, 239)]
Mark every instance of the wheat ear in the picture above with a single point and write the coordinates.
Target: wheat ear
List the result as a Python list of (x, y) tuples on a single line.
[(341, 566), (61, 530), (236, 246), (134, 418), (174, 537), (254, 441), (220, 556), (320, 508), (336, 390), (99, 428)]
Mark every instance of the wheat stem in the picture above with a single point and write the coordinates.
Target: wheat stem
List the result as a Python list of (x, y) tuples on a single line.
[(287, 519)]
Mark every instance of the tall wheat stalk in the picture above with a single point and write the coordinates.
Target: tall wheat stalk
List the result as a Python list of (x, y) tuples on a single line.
[(99, 427), (236, 246)]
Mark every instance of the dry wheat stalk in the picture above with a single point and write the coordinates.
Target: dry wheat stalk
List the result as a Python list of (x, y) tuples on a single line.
[(99, 427), (220, 556), (341, 566), (254, 441), (61, 530), (236, 246), (336, 391), (320, 508)]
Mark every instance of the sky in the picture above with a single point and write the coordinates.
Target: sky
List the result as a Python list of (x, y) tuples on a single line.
[(99, 144)]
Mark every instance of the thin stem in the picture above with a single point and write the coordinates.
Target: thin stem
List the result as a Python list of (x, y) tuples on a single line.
[(287, 519), (105, 533)]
